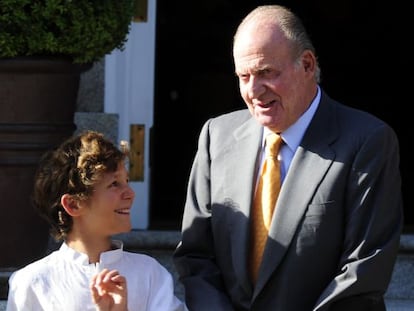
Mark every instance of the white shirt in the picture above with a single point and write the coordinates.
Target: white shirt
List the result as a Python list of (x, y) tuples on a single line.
[(292, 136), (60, 282)]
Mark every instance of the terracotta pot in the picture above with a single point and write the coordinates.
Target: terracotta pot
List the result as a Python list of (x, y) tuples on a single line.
[(37, 106)]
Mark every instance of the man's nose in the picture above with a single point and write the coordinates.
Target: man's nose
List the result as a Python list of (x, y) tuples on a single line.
[(255, 87)]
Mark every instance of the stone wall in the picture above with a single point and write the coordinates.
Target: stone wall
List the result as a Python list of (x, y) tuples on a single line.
[(90, 106)]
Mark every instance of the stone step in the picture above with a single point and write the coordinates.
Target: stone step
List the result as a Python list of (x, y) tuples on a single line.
[(160, 245)]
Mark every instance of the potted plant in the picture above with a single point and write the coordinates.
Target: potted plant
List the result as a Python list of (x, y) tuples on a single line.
[(82, 31), (44, 47)]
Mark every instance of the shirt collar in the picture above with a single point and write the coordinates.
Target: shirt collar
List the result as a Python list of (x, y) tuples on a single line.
[(292, 136), (82, 259)]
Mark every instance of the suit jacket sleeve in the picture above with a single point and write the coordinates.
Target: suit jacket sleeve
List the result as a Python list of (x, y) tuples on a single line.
[(194, 258)]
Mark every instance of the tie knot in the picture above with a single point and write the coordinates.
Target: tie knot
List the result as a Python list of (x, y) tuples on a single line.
[(273, 142)]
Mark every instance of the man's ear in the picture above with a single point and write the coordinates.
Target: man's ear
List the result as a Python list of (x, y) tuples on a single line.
[(309, 61), (70, 204)]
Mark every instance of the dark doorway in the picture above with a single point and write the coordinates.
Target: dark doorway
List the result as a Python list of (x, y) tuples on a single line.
[(360, 50)]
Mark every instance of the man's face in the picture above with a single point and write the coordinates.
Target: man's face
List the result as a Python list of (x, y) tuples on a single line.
[(273, 83)]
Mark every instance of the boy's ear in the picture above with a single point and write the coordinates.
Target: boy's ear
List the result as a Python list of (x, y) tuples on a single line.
[(70, 204)]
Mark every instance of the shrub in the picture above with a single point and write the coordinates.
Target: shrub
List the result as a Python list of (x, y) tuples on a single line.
[(81, 30)]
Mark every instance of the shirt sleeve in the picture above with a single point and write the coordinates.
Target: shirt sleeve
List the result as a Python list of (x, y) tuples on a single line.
[(162, 295), (21, 294)]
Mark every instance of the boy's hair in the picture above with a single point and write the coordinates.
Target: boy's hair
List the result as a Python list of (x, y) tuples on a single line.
[(74, 168)]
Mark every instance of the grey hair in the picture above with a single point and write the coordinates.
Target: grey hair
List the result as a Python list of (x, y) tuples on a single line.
[(290, 25)]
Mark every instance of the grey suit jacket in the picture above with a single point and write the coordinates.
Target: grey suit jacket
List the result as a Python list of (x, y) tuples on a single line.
[(335, 233)]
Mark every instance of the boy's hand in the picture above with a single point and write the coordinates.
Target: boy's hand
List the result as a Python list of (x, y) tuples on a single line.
[(109, 291)]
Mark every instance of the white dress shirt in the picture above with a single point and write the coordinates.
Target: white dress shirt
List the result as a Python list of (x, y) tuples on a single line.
[(60, 281)]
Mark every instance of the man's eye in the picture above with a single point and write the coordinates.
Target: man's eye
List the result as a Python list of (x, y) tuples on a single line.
[(244, 77), (264, 72)]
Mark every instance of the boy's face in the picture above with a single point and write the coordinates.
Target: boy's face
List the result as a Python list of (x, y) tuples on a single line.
[(107, 212)]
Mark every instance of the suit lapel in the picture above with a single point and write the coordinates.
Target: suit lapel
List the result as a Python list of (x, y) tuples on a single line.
[(240, 170)]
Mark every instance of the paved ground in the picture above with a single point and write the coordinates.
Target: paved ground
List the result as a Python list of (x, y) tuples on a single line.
[(398, 305), (392, 305)]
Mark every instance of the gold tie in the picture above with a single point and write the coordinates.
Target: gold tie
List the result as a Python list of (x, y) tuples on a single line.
[(264, 202)]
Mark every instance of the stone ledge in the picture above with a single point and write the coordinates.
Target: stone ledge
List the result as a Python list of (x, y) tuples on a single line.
[(402, 281), (144, 239), (154, 239), (407, 243)]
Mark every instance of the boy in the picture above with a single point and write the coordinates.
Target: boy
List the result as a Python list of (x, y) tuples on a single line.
[(82, 190)]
